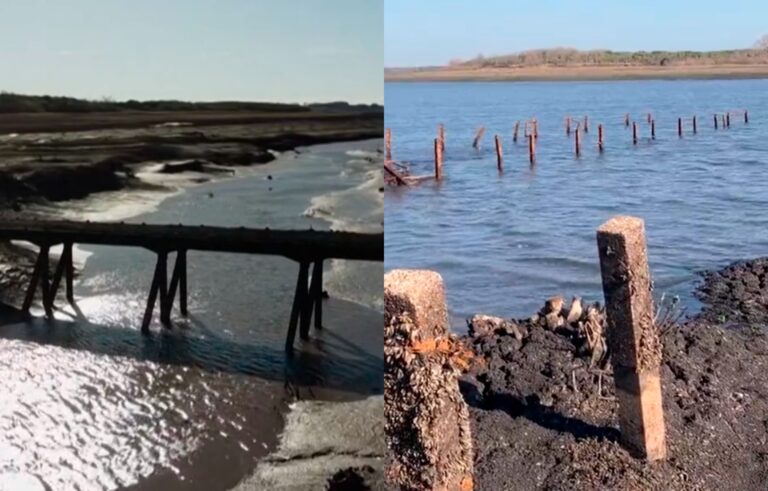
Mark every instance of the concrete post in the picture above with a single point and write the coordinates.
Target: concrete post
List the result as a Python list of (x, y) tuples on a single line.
[(633, 339)]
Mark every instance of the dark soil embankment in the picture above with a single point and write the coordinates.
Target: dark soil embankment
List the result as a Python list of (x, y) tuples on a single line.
[(544, 418)]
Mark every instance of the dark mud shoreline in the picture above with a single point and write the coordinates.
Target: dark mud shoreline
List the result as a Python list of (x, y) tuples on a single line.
[(57, 157), (541, 420)]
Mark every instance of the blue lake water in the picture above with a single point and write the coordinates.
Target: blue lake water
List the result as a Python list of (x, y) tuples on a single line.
[(505, 242)]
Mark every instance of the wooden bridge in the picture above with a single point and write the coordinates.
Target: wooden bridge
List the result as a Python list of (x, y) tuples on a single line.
[(308, 248)]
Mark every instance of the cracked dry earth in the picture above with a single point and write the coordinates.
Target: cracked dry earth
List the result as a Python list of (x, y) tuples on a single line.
[(539, 421)]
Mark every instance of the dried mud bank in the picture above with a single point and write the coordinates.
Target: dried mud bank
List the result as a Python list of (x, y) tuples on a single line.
[(544, 414), (58, 166), (54, 158)]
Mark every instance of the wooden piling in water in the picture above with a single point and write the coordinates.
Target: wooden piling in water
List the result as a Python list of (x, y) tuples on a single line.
[(649, 118), (626, 120), (634, 133), (653, 129), (715, 120), (388, 144), (535, 128), (632, 337), (600, 138), (568, 126), (746, 117), (438, 159), (723, 121), (694, 124), (586, 124), (499, 154), (727, 120), (679, 127), (577, 141), (531, 149), (441, 136), (478, 137), (517, 128)]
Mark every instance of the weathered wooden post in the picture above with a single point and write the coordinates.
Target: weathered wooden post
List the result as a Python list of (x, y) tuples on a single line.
[(517, 129), (648, 118), (653, 129), (626, 120), (634, 133), (535, 128), (715, 119), (438, 159), (478, 137), (723, 121), (633, 339), (600, 138), (499, 154), (694, 124), (728, 120), (388, 144), (746, 117), (426, 418), (568, 126), (586, 124), (679, 127), (531, 149), (577, 141)]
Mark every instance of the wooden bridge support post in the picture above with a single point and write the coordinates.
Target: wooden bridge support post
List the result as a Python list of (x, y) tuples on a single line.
[(438, 159), (586, 124), (299, 298), (577, 141), (679, 127), (531, 150), (41, 277), (388, 144), (634, 133), (633, 338), (727, 120), (517, 129), (600, 143), (715, 120), (746, 117), (653, 129), (65, 269), (694, 124), (478, 137), (159, 287), (499, 154), (723, 122), (441, 136)]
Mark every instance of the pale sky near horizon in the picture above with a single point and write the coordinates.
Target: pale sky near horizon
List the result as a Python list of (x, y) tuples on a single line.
[(260, 50), (432, 32)]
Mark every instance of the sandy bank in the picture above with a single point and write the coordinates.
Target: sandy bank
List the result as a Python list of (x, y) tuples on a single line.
[(555, 73)]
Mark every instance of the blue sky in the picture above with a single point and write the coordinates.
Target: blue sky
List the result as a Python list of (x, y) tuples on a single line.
[(431, 32), (267, 50)]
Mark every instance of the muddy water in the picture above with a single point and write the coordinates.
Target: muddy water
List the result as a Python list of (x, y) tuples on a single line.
[(504, 243), (88, 403)]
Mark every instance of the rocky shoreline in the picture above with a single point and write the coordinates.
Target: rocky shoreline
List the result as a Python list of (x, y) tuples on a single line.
[(544, 414)]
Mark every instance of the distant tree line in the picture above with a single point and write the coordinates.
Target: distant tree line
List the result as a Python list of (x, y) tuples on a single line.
[(571, 57), (17, 103)]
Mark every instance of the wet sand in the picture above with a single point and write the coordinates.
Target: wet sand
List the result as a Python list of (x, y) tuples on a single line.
[(574, 73), (541, 420)]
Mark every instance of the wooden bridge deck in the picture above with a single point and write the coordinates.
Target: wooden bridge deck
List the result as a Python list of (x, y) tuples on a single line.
[(305, 247)]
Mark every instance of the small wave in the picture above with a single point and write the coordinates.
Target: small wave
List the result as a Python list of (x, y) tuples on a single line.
[(363, 153)]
